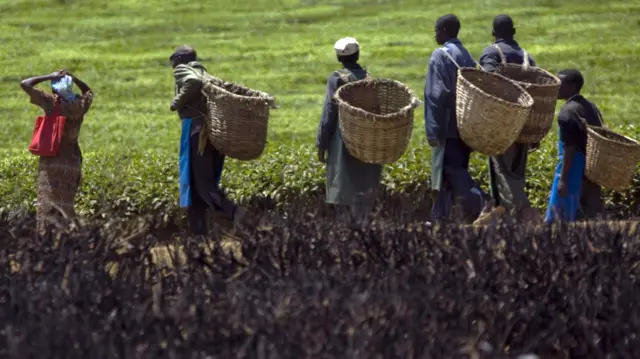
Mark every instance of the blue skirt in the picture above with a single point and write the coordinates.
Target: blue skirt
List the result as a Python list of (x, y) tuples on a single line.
[(566, 208), (185, 164)]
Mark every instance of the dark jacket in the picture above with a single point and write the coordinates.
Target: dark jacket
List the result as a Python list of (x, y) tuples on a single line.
[(490, 58), (440, 90)]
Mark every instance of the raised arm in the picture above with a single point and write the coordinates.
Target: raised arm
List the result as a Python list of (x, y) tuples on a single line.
[(29, 84), (81, 85)]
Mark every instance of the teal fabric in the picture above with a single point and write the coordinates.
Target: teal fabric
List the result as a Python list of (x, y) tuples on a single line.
[(185, 164)]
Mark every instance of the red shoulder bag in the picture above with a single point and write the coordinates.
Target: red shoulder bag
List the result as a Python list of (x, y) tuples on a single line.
[(47, 133)]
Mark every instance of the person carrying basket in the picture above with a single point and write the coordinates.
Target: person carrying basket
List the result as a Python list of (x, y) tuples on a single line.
[(350, 182), (451, 181), (200, 163), (507, 171), (573, 196)]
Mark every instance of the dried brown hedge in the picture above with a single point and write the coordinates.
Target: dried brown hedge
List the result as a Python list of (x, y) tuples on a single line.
[(309, 287)]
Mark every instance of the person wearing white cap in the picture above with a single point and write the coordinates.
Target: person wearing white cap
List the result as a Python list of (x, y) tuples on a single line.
[(451, 181), (351, 183)]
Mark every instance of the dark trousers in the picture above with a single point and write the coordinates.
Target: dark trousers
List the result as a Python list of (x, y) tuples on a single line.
[(459, 193), (205, 192), (591, 203), (507, 173)]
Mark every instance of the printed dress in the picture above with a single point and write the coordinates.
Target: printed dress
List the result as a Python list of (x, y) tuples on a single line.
[(59, 176)]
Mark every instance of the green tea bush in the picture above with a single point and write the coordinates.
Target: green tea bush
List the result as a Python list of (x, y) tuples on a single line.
[(143, 182)]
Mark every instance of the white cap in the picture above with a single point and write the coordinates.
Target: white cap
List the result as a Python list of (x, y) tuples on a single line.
[(346, 46)]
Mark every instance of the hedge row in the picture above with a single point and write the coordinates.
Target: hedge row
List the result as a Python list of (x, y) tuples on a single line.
[(309, 287), (144, 182)]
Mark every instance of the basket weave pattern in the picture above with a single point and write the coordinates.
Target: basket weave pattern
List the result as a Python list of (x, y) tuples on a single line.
[(490, 109), (237, 119), (376, 119), (611, 158), (543, 87)]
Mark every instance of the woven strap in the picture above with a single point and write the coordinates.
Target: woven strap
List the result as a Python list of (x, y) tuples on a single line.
[(347, 76), (503, 60), (454, 61), (525, 61), (450, 57), (593, 107)]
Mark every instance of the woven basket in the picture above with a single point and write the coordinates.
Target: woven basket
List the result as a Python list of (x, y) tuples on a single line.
[(237, 119), (491, 110), (543, 87), (376, 119), (611, 158)]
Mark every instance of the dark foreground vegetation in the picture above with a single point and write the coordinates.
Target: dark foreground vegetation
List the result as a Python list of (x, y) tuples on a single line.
[(306, 286)]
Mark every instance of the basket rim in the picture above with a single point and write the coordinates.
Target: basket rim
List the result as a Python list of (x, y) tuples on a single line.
[(537, 69), (388, 116), (261, 94), (502, 101), (594, 130)]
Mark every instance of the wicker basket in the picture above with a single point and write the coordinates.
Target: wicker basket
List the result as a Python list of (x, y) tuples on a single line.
[(491, 110), (611, 158), (543, 87), (376, 119), (237, 119)]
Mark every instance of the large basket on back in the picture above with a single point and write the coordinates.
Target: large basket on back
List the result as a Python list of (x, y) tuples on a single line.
[(237, 119), (543, 87), (611, 158), (490, 109), (376, 119)]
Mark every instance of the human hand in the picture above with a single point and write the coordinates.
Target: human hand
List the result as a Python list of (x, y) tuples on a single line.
[(562, 188), (434, 143), (322, 155), (172, 107), (534, 147), (67, 73), (56, 75)]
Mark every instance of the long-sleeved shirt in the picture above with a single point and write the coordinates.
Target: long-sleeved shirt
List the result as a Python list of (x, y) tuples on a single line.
[(189, 100), (329, 118), (490, 58), (440, 91)]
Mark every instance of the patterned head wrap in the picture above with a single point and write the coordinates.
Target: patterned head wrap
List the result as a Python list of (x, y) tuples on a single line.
[(63, 87)]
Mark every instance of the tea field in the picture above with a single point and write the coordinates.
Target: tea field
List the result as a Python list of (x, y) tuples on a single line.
[(284, 47)]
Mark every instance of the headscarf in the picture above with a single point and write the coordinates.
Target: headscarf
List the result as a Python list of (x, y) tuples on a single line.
[(63, 87)]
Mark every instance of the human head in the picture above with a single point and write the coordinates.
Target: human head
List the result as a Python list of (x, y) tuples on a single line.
[(347, 50), (572, 82), (183, 55), (503, 27), (447, 28), (63, 87)]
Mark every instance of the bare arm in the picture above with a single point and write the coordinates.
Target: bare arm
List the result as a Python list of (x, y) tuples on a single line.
[(28, 84), (81, 85), (567, 161)]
